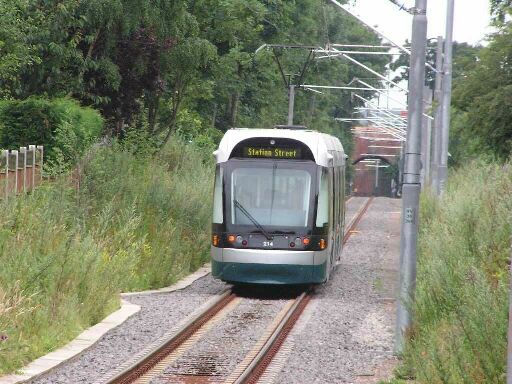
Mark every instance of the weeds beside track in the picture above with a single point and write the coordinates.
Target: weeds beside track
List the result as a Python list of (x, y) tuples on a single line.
[(65, 254), (460, 314)]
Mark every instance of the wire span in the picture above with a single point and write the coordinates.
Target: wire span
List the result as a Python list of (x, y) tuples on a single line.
[(412, 10)]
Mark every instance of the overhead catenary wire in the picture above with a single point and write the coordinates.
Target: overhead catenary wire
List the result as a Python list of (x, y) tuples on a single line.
[(409, 10), (379, 33)]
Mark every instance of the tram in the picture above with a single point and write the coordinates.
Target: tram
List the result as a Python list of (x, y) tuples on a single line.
[(278, 206)]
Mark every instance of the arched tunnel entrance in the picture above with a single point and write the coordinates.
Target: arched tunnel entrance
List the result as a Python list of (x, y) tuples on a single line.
[(375, 175)]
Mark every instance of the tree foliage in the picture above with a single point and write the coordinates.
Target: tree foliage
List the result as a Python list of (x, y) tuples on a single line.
[(66, 128), (500, 9), (464, 58), (483, 100), (150, 64)]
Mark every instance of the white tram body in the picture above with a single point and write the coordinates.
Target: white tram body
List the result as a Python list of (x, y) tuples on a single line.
[(279, 211)]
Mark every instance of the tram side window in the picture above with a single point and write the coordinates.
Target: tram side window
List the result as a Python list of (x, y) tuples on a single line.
[(335, 194), (322, 216), (339, 198), (217, 197)]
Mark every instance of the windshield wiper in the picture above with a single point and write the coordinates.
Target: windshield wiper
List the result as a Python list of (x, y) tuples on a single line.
[(254, 221)]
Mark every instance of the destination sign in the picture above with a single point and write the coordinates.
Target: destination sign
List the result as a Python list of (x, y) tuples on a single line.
[(273, 152)]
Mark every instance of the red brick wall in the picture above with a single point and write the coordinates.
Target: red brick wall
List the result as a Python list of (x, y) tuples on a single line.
[(363, 183)]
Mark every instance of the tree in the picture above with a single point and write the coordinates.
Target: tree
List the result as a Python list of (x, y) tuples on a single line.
[(16, 51), (500, 9), (484, 97), (464, 55), (161, 66)]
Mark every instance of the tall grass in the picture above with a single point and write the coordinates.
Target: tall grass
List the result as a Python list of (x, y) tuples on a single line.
[(65, 254), (461, 308)]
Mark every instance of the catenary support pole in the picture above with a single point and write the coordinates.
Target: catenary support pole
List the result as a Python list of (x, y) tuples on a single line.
[(436, 131), (291, 103), (447, 97), (426, 139), (411, 186), (377, 165)]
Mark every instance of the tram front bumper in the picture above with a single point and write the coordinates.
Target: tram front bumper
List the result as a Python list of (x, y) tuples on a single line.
[(269, 266)]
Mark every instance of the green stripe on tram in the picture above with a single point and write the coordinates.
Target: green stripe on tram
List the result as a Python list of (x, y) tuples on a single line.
[(269, 273)]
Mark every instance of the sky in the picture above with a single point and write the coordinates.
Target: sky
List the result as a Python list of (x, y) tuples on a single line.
[(470, 25)]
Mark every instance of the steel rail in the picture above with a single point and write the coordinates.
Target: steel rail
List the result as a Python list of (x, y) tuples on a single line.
[(255, 370), (263, 359), (168, 344), (356, 219)]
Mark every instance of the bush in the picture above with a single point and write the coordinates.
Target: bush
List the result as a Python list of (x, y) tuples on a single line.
[(65, 128), (461, 307), (137, 222)]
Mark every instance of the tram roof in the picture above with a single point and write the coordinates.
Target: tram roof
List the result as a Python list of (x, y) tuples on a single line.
[(323, 146)]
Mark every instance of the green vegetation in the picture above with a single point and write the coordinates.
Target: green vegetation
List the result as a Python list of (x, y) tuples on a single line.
[(134, 223), (66, 128), (179, 65), (460, 314), (461, 309), (160, 74), (482, 97), (166, 79)]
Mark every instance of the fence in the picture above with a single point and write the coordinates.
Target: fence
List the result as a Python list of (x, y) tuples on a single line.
[(20, 171)]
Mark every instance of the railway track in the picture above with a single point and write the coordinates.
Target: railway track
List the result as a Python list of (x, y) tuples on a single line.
[(152, 366)]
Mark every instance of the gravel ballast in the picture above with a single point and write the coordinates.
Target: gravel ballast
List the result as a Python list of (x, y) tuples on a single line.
[(352, 206), (160, 312), (226, 344), (346, 334)]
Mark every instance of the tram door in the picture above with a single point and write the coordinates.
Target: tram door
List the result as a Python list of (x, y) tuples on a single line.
[(339, 211), (336, 216), (342, 210)]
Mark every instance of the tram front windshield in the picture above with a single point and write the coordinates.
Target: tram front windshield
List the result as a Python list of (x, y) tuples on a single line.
[(274, 194)]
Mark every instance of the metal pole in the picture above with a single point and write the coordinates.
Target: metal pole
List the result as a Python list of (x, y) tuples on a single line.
[(388, 89), (401, 162), (428, 169), (447, 97), (377, 164), (291, 102), (425, 139), (411, 186), (436, 132)]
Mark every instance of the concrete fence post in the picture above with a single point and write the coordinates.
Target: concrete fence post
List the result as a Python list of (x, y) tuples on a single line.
[(40, 148), (5, 154), (15, 155), (23, 158), (32, 148)]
